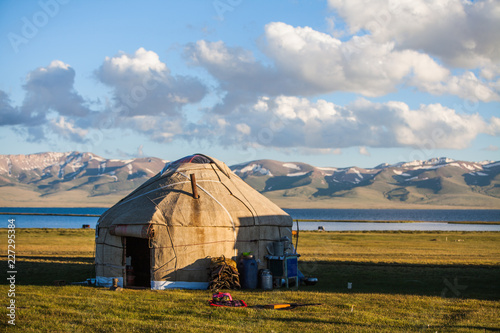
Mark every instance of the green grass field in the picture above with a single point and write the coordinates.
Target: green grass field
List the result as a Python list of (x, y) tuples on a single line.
[(401, 281)]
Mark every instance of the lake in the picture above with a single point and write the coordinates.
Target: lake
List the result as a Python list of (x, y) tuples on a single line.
[(346, 219), (429, 219)]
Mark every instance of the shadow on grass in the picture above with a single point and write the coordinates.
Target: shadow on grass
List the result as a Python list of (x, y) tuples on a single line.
[(45, 270), (86, 260), (451, 281), (378, 326)]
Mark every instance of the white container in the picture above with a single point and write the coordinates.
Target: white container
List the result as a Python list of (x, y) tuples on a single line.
[(266, 280)]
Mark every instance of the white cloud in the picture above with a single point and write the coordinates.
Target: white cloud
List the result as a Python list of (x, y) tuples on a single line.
[(461, 33), (142, 62), (318, 151), (364, 65), (234, 66), (492, 148), (466, 86), (289, 121), (438, 127), (157, 128), (364, 151), (307, 62), (143, 85), (146, 98), (66, 129), (266, 102), (359, 65), (238, 73), (243, 129), (56, 64), (49, 90), (10, 115)]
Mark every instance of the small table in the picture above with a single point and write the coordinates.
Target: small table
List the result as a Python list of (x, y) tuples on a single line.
[(284, 267)]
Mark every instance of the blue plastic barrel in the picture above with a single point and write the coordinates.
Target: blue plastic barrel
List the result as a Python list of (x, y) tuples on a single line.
[(248, 269)]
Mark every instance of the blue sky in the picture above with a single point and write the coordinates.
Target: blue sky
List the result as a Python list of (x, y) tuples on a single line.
[(330, 83)]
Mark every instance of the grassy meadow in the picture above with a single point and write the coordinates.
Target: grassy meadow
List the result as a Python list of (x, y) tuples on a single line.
[(401, 281)]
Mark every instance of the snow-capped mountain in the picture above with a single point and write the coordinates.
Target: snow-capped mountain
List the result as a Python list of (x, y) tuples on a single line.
[(51, 173), (76, 178), (437, 181)]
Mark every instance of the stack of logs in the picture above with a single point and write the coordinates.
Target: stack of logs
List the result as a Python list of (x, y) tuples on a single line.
[(223, 274)]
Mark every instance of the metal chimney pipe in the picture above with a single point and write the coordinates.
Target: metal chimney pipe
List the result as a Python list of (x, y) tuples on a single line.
[(193, 186)]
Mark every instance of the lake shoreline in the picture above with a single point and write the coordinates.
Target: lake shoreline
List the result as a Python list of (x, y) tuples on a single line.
[(295, 220), (398, 221), (308, 219), (364, 207)]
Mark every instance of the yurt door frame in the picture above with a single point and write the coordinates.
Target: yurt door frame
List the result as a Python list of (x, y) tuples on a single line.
[(138, 261)]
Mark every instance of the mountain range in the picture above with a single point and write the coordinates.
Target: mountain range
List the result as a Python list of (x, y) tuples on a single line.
[(77, 179)]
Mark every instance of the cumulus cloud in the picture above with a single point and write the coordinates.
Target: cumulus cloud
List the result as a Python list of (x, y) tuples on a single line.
[(66, 129), (240, 76), (492, 148), (10, 115), (358, 65), (235, 65), (435, 47), (364, 151), (461, 33), (364, 65), (157, 128), (466, 86), (143, 85), (307, 63), (49, 90), (389, 44), (288, 121), (269, 102), (146, 98)]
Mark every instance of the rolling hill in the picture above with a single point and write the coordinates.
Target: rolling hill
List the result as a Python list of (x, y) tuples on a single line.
[(439, 182), (85, 179)]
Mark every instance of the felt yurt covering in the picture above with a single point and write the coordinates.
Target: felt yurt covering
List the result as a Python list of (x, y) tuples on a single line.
[(161, 236)]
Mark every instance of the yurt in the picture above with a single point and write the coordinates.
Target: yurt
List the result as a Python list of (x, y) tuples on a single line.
[(163, 234)]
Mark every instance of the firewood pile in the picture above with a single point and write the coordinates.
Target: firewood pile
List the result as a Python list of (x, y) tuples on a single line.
[(223, 274)]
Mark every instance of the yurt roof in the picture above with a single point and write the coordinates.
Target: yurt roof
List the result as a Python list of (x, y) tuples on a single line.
[(167, 198), (197, 159)]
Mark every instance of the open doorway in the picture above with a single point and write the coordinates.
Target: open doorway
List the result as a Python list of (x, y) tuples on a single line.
[(138, 259)]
